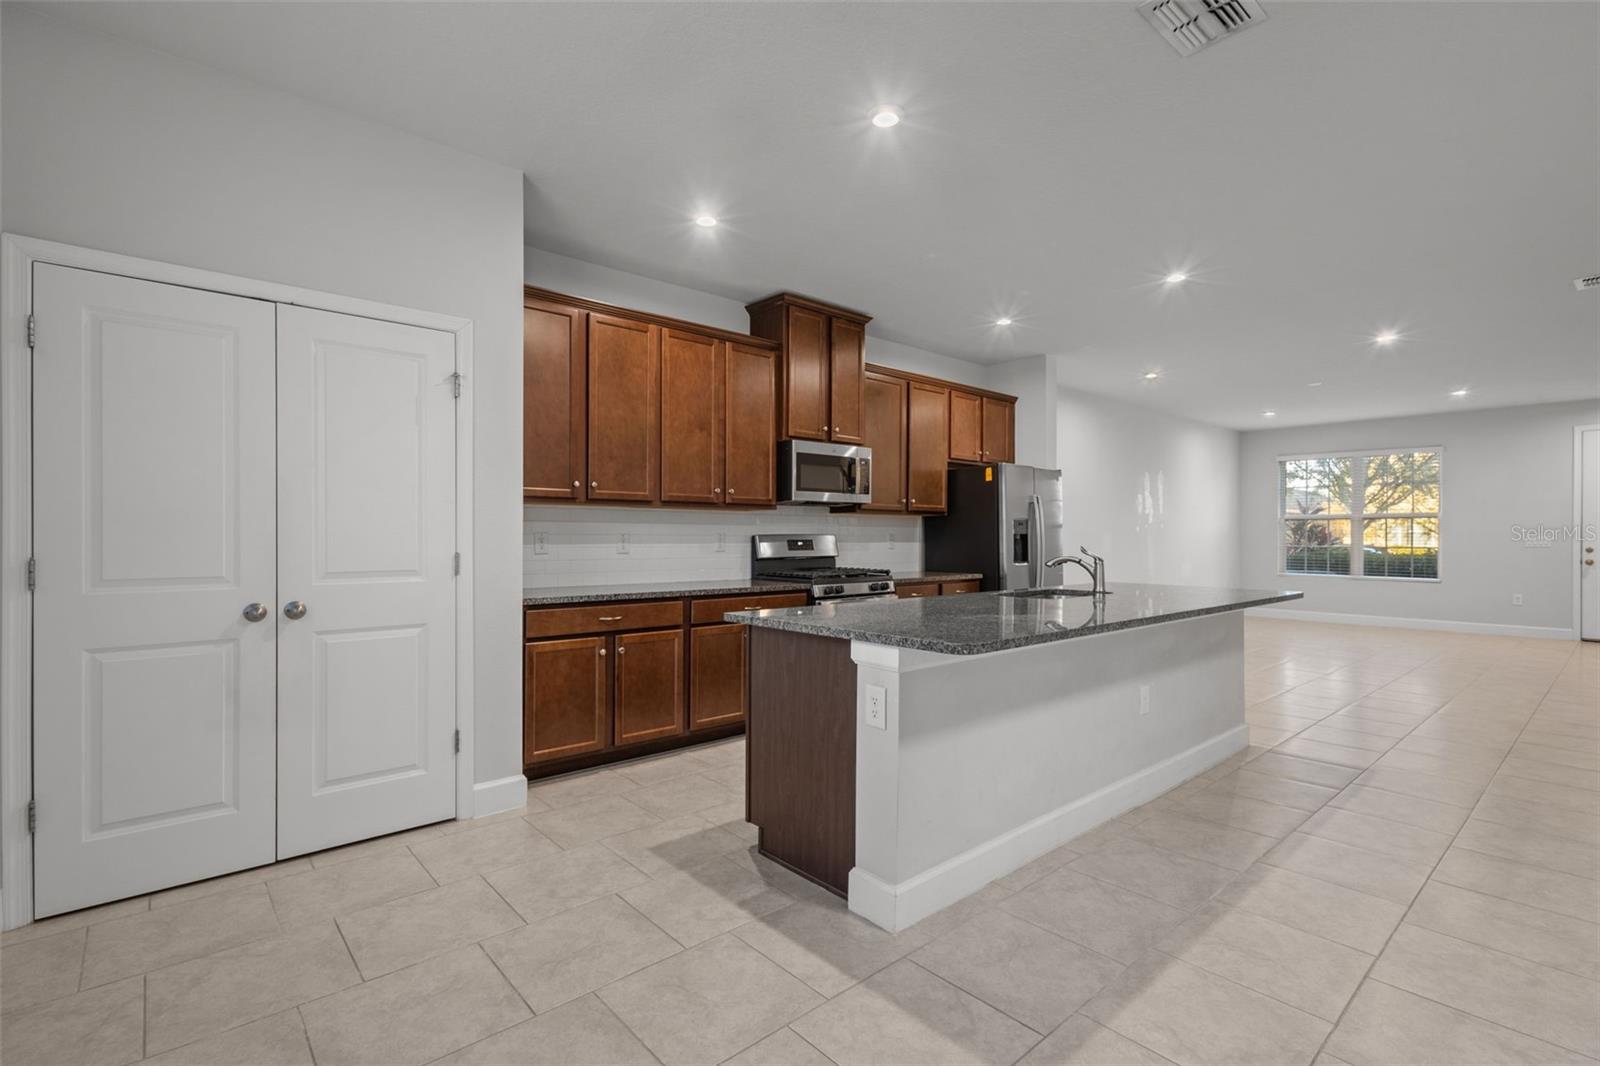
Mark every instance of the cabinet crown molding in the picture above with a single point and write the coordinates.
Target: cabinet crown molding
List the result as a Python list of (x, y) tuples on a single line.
[(534, 292), (794, 299)]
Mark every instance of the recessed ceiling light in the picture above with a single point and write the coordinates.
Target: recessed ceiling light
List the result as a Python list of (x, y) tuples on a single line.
[(1002, 322), (1385, 337), (1269, 414), (706, 220), (886, 116), (1151, 375), (1177, 277), (1460, 392)]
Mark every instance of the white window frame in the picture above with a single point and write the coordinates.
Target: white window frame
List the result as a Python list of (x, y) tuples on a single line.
[(1357, 515)]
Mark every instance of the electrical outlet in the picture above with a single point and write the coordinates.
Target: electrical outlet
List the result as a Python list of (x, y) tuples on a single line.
[(877, 707), (541, 544), (722, 542), (622, 544), (1144, 699), (891, 541), (1516, 599)]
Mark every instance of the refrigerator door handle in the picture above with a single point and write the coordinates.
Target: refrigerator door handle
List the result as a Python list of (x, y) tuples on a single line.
[(1035, 542)]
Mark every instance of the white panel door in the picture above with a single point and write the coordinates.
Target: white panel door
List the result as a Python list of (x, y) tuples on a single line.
[(153, 529), (366, 544), (1589, 556)]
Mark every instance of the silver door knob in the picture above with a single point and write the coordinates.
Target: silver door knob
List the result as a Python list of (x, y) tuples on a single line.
[(294, 610), (254, 612)]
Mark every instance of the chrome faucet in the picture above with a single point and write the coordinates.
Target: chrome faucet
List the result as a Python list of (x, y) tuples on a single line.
[(1093, 565)]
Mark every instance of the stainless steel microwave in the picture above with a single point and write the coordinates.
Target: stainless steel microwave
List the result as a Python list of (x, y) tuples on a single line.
[(816, 472)]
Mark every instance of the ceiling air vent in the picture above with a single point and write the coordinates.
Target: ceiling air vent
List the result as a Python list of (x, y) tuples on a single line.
[(1590, 282), (1190, 25)]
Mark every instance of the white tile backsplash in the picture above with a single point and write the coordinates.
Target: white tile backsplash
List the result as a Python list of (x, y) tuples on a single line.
[(581, 545)]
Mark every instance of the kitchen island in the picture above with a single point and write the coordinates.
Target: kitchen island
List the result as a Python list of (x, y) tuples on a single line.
[(905, 754)]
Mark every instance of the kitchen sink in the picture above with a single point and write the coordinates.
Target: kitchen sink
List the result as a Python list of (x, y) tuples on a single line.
[(1051, 593)]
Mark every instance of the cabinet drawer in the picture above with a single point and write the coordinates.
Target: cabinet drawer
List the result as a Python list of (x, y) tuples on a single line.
[(702, 612), (951, 588), (913, 592), (603, 618)]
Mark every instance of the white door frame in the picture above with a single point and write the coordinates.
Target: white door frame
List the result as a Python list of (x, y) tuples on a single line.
[(1577, 527), (18, 254)]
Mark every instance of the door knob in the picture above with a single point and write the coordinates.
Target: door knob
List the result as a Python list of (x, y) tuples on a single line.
[(577, 484), (254, 612), (594, 484), (294, 610)]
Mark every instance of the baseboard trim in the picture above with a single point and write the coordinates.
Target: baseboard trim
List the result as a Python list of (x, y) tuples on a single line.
[(492, 797), (1483, 628), (897, 906)]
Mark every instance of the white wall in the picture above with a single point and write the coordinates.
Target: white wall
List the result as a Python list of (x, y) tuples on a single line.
[(117, 147), (1156, 495), (1501, 467)]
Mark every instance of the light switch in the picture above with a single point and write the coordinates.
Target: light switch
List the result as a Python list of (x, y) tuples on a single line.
[(877, 706)]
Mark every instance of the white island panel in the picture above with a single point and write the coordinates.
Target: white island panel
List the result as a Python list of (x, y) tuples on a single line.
[(987, 762)]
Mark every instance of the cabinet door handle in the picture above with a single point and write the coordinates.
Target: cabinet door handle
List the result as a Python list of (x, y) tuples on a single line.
[(594, 484), (602, 653), (621, 650), (730, 492), (611, 618), (717, 491), (824, 429), (577, 484)]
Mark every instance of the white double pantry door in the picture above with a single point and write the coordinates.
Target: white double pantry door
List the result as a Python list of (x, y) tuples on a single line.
[(244, 617)]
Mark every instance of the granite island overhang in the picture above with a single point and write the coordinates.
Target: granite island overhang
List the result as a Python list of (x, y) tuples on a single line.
[(906, 753)]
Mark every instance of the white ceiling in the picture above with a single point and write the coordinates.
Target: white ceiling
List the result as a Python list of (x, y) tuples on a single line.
[(1343, 167)]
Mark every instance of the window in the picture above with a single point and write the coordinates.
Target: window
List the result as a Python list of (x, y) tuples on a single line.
[(1361, 515)]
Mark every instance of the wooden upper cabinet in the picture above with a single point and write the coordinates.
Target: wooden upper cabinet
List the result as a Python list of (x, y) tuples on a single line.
[(927, 446), (805, 375), (750, 447), (691, 418), (966, 427), (885, 434), (999, 431), (847, 365), (649, 685), (624, 408), (567, 689), (554, 369), (824, 366)]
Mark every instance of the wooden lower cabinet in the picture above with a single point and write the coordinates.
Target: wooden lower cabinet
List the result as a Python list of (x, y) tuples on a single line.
[(568, 698), (717, 675), (649, 685), (917, 591)]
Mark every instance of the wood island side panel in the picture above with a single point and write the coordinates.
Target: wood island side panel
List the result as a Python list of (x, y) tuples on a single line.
[(801, 744)]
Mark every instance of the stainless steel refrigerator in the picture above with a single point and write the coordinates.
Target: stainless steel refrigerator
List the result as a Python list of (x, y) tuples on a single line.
[(1004, 521)]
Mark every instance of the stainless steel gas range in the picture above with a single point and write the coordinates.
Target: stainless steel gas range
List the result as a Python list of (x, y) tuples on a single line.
[(814, 558)]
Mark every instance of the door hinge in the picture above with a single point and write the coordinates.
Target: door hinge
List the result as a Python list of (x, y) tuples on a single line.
[(33, 815), (456, 565), (33, 331), (455, 383), (33, 573), (458, 742)]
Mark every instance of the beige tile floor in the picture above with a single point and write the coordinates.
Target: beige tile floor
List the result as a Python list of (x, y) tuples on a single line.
[(1400, 869)]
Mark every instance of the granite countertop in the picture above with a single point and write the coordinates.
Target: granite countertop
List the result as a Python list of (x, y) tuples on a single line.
[(983, 622), (919, 577), (659, 590)]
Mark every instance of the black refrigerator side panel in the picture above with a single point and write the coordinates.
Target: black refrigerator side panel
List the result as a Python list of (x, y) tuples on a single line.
[(967, 537)]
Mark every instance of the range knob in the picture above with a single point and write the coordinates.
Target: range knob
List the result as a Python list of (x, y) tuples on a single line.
[(878, 586), (833, 590)]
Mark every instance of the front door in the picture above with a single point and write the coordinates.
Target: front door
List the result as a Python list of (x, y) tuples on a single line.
[(153, 532), (366, 586), (1589, 531)]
